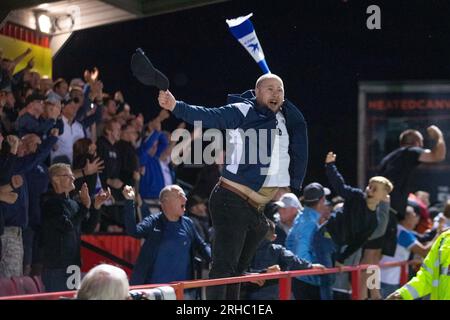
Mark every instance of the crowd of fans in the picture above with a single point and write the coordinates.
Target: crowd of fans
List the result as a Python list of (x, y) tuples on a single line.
[(75, 159)]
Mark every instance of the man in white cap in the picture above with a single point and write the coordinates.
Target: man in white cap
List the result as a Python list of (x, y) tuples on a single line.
[(299, 239), (288, 208)]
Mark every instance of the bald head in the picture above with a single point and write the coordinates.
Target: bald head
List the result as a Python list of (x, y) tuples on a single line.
[(267, 76), (168, 191), (173, 202), (269, 92)]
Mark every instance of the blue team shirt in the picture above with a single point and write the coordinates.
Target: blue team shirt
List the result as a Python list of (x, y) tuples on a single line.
[(172, 262)]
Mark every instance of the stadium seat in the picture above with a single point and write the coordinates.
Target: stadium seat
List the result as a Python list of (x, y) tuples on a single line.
[(39, 283), (7, 287), (25, 285)]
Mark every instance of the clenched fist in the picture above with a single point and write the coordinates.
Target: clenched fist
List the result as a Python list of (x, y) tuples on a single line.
[(331, 157), (434, 132), (166, 100)]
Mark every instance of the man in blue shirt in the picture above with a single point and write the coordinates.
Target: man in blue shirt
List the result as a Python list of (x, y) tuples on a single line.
[(300, 238), (168, 252)]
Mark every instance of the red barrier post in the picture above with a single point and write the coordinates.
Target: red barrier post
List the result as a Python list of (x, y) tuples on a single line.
[(285, 287), (179, 290), (404, 273), (356, 287)]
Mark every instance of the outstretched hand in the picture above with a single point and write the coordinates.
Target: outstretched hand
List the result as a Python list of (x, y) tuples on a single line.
[(93, 167), (101, 198), (8, 197), (331, 157), (16, 181), (166, 100), (13, 142), (128, 193), (84, 196), (394, 296), (91, 76)]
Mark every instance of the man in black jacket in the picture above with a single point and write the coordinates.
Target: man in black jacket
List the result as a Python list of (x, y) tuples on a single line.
[(62, 221), (363, 217), (110, 176)]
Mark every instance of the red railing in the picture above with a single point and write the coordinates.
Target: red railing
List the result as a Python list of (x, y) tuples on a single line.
[(285, 279)]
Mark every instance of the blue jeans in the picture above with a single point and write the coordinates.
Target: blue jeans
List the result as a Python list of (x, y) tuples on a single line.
[(238, 230), (387, 289)]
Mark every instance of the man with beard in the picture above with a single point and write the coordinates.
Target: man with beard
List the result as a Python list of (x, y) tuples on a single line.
[(246, 186)]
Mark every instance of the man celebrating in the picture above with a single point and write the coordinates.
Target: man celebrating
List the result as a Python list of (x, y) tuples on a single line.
[(171, 239), (62, 223), (398, 166), (246, 186)]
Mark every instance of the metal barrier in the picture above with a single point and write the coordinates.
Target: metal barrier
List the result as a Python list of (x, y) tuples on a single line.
[(284, 277)]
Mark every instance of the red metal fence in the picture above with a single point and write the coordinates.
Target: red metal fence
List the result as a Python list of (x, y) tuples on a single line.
[(284, 278)]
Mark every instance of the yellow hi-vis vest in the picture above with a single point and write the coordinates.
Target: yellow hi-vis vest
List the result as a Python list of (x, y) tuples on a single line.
[(434, 275)]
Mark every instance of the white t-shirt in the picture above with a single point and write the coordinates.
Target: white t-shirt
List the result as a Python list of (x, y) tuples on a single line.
[(66, 141), (278, 174), (405, 241), (165, 169)]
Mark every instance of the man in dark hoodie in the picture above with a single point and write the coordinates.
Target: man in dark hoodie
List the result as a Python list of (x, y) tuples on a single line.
[(363, 217)]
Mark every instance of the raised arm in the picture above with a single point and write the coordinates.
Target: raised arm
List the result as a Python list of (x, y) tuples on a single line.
[(148, 143), (437, 154), (336, 180), (140, 230), (226, 117)]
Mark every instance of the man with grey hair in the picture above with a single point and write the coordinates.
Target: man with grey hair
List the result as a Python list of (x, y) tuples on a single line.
[(62, 220), (104, 282), (288, 208), (170, 239), (269, 150)]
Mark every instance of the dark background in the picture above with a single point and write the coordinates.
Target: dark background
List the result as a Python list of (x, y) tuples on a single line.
[(321, 48)]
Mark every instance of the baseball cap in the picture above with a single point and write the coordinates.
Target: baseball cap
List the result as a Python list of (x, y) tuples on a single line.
[(76, 84), (289, 200), (314, 191)]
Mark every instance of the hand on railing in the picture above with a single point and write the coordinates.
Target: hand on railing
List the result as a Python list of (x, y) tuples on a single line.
[(271, 269), (394, 296)]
